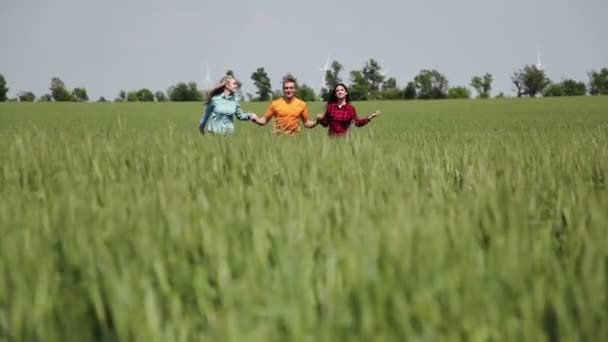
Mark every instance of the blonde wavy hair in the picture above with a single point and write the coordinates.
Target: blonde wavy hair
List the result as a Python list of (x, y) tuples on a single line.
[(221, 86)]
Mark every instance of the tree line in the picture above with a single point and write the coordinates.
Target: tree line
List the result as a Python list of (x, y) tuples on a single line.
[(60, 93), (368, 83)]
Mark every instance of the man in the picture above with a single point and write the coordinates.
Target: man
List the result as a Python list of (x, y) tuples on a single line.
[(287, 111)]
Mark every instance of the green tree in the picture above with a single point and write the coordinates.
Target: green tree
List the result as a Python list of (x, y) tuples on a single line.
[(389, 90), (409, 92), (26, 96), (374, 77), (598, 82), (195, 93), (332, 77), (145, 95), (518, 81), (459, 93), (184, 92), (122, 96), (3, 89), (389, 84), (390, 94), (483, 85), (160, 96), (306, 93), (132, 96), (262, 82), (573, 88), (45, 98), (431, 84), (80, 95), (359, 89), (59, 91), (553, 89), (534, 80), (102, 99)]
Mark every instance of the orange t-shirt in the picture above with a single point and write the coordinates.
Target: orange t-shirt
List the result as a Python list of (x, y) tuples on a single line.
[(287, 115)]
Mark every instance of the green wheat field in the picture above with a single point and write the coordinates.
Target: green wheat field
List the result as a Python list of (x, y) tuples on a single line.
[(454, 220)]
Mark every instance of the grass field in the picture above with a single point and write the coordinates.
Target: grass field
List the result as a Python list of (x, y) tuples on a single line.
[(462, 220)]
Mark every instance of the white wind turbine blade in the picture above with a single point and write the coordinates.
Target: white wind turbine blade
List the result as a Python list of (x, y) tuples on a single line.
[(207, 76), (539, 66), (324, 70)]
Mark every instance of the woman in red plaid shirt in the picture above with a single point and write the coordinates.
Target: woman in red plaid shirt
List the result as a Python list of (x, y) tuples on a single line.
[(339, 113)]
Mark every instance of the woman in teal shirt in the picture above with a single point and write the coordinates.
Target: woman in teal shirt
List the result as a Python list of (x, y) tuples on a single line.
[(221, 108)]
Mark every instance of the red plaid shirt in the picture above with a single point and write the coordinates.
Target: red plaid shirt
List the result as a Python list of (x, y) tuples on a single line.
[(339, 119)]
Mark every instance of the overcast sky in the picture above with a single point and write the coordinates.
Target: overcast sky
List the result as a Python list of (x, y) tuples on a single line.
[(106, 46)]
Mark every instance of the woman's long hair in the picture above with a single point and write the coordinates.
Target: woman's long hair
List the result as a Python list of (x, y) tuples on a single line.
[(220, 87), (332, 96)]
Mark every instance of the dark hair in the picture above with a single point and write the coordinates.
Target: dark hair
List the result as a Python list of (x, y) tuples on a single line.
[(332, 96)]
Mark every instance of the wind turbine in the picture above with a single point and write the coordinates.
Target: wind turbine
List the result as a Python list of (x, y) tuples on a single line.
[(539, 66), (207, 76), (324, 72)]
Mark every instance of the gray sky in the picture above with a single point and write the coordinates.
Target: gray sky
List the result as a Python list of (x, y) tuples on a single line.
[(106, 46)]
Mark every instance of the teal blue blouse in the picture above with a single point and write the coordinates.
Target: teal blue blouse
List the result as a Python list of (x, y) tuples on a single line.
[(220, 112)]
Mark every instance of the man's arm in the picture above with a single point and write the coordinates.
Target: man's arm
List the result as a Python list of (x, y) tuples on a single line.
[(310, 124), (261, 121), (267, 116), (306, 118)]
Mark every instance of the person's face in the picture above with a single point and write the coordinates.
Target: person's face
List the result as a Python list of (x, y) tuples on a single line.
[(232, 85), (289, 89), (341, 92)]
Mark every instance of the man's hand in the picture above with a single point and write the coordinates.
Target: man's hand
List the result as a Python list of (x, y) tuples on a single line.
[(260, 121), (310, 124)]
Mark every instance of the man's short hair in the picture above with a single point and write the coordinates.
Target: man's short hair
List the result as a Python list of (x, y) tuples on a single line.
[(290, 79)]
